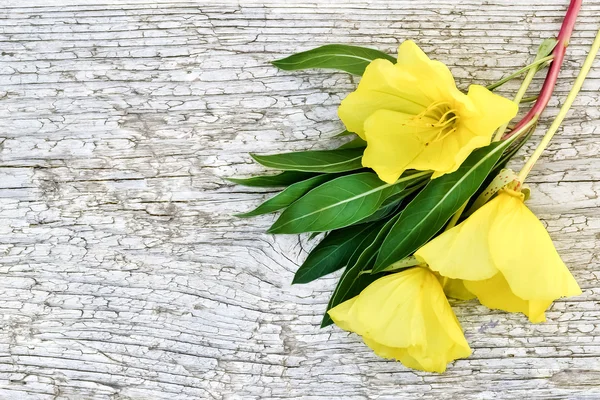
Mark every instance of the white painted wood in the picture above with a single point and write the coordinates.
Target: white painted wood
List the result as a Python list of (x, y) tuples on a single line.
[(124, 275)]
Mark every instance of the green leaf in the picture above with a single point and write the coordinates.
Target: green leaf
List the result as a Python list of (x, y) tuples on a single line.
[(382, 212), (434, 206), (313, 235), (540, 62), (546, 48), (288, 195), (345, 133), (338, 203), (354, 279), (332, 253), (283, 179), (352, 59), (392, 204), (329, 161), (354, 144), (514, 148)]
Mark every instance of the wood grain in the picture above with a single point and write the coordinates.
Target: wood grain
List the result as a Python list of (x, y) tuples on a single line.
[(124, 275)]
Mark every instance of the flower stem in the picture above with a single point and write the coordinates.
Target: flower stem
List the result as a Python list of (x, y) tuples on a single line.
[(585, 69), (559, 54), (547, 46), (523, 129), (456, 216), (530, 67), (517, 100)]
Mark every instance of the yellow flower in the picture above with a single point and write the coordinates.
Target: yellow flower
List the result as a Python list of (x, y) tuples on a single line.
[(406, 316), (413, 117), (505, 257)]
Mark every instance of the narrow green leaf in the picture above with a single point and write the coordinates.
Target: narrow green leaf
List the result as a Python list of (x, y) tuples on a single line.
[(353, 280), (288, 195), (345, 133), (352, 59), (514, 148), (392, 204), (332, 253), (355, 143), (382, 212), (313, 235), (435, 205), (338, 203), (529, 99), (283, 179), (329, 161), (542, 59)]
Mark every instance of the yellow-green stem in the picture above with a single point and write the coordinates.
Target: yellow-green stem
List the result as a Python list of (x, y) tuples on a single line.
[(563, 110), (456, 216), (518, 97)]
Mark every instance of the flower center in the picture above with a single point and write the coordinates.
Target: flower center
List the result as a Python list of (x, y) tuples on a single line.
[(436, 122)]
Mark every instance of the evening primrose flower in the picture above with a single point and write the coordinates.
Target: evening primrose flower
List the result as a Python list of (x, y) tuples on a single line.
[(504, 256), (412, 116), (406, 316)]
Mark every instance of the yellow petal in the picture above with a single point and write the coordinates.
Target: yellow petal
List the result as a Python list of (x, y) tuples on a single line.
[(389, 309), (447, 345), (455, 288), (406, 316), (523, 251), (463, 252), (495, 293), (382, 87), (506, 257), (343, 317), (383, 311), (435, 126), (491, 111), (395, 143), (435, 79), (480, 116), (537, 309), (392, 144), (395, 353), (447, 155)]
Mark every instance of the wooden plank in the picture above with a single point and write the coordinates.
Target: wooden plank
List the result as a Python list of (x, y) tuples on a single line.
[(125, 275)]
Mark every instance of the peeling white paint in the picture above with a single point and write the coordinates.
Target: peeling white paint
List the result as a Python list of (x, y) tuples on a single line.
[(125, 275)]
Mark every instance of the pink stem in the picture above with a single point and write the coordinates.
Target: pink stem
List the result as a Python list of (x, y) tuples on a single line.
[(559, 54)]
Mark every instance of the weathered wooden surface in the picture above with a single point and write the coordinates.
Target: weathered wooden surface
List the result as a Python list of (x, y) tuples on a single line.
[(124, 275)]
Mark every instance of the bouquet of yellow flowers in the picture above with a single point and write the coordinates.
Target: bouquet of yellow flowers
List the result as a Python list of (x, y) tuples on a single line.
[(418, 206)]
